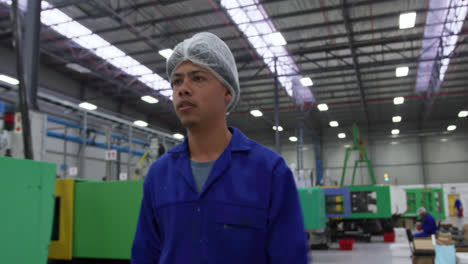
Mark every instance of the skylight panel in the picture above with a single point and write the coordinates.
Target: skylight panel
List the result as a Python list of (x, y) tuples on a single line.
[(249, 30), (109, 52), (149, 78), (124, 62), (253, 13), (53, 16), (72, 29), (263, 27), (137, 70), (239, 16), (92, 41)]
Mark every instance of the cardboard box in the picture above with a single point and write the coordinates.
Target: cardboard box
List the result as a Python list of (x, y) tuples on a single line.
[(444, 239), (423, 259)]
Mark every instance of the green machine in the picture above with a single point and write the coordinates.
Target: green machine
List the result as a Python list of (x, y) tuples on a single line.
[(370, 202), (430, 198), (313, 207), (27, 195), (96, 220), (358, 145)]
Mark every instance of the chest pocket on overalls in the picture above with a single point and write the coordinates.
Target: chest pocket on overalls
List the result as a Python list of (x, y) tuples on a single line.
[(240, 232)]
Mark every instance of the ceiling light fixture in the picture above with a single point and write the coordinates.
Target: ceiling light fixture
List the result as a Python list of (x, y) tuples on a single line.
[(341, 135), (398, 100), (166, 53), (407, 20), (178, 136), (401, 71), (140, 123), (293, 139), (334, 123), (463, 114), (322, 107), (8, 79), (149, 99), (87, 106), (396, 119), (280, 128), (78, 68), (306, 81), (395, 131), (256, 113), (451, 128)]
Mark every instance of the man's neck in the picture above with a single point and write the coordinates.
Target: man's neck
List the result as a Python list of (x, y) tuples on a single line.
[(207, 143)]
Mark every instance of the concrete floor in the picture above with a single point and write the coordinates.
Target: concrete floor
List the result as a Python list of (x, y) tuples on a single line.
[(362, 253)]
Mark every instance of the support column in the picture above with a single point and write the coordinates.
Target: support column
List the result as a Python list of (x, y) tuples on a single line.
[(130, 145), (277, 135), (300, 158), (81, 161)]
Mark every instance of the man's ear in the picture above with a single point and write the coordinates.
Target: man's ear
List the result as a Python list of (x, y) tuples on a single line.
[(227, 96)]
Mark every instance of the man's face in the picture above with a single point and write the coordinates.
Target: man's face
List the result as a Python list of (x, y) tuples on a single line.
[(198, 96)]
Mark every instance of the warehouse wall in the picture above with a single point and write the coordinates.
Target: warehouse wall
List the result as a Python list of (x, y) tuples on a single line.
[(412, 160), (95, 163)]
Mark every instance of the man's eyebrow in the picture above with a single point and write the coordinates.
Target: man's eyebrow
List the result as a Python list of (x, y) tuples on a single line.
[(190, 73)]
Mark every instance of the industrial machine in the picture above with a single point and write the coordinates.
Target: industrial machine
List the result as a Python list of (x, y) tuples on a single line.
[(27, 195), (95, 219), (430, 198), (337, 201), (313, 210)]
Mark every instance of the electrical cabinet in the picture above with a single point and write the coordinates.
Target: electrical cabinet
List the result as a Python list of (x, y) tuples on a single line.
[(430, 198)]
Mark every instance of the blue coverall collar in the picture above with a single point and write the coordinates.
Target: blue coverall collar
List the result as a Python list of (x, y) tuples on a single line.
[(239, 142)]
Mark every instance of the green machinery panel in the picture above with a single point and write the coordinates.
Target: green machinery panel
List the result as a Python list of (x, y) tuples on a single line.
[(313, 207), (105, 218), (370, 202), (27, 208), (430, 198)]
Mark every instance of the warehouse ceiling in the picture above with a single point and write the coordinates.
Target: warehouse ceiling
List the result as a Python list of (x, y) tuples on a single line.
[(350, 49)]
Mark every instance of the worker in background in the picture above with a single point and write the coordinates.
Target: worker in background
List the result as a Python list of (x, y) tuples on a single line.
[(218, 197), (458, 205), (428, 226)]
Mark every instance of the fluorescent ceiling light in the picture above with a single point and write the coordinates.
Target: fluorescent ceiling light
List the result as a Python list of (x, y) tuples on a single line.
[(140, 123), (253, 21), (178, 136), (8, 79), (256, 113), (463, 113), (401, 71), (398, 100), (444, 140), (407, 20), (322, 107), (347, 146), (77, 67), (396, 119), (87, 106), (280, 128), (341, 135), (451, 128), (276, 39), (395, 131), (293, 139), (166, 53), (306, 81), (394, 143), (334, 123), (149, 99)]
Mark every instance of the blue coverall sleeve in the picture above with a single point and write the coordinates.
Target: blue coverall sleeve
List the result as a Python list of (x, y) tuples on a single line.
[(286, 234), (146, 248)]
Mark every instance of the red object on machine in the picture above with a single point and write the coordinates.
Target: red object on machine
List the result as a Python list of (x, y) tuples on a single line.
[(346, 243), (389, 237)]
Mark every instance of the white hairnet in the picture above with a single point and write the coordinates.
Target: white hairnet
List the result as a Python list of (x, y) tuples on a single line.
[(209, 51), (421, 210)]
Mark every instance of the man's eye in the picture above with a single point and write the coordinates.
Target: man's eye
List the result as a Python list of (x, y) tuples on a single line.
[(176, 82), (198, 78)]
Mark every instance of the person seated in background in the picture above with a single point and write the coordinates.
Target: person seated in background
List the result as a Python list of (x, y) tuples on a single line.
[(428, 226), (458, 205)]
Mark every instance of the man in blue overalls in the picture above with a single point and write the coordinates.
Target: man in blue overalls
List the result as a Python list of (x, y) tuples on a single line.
[(428, 226), (219, 197)]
